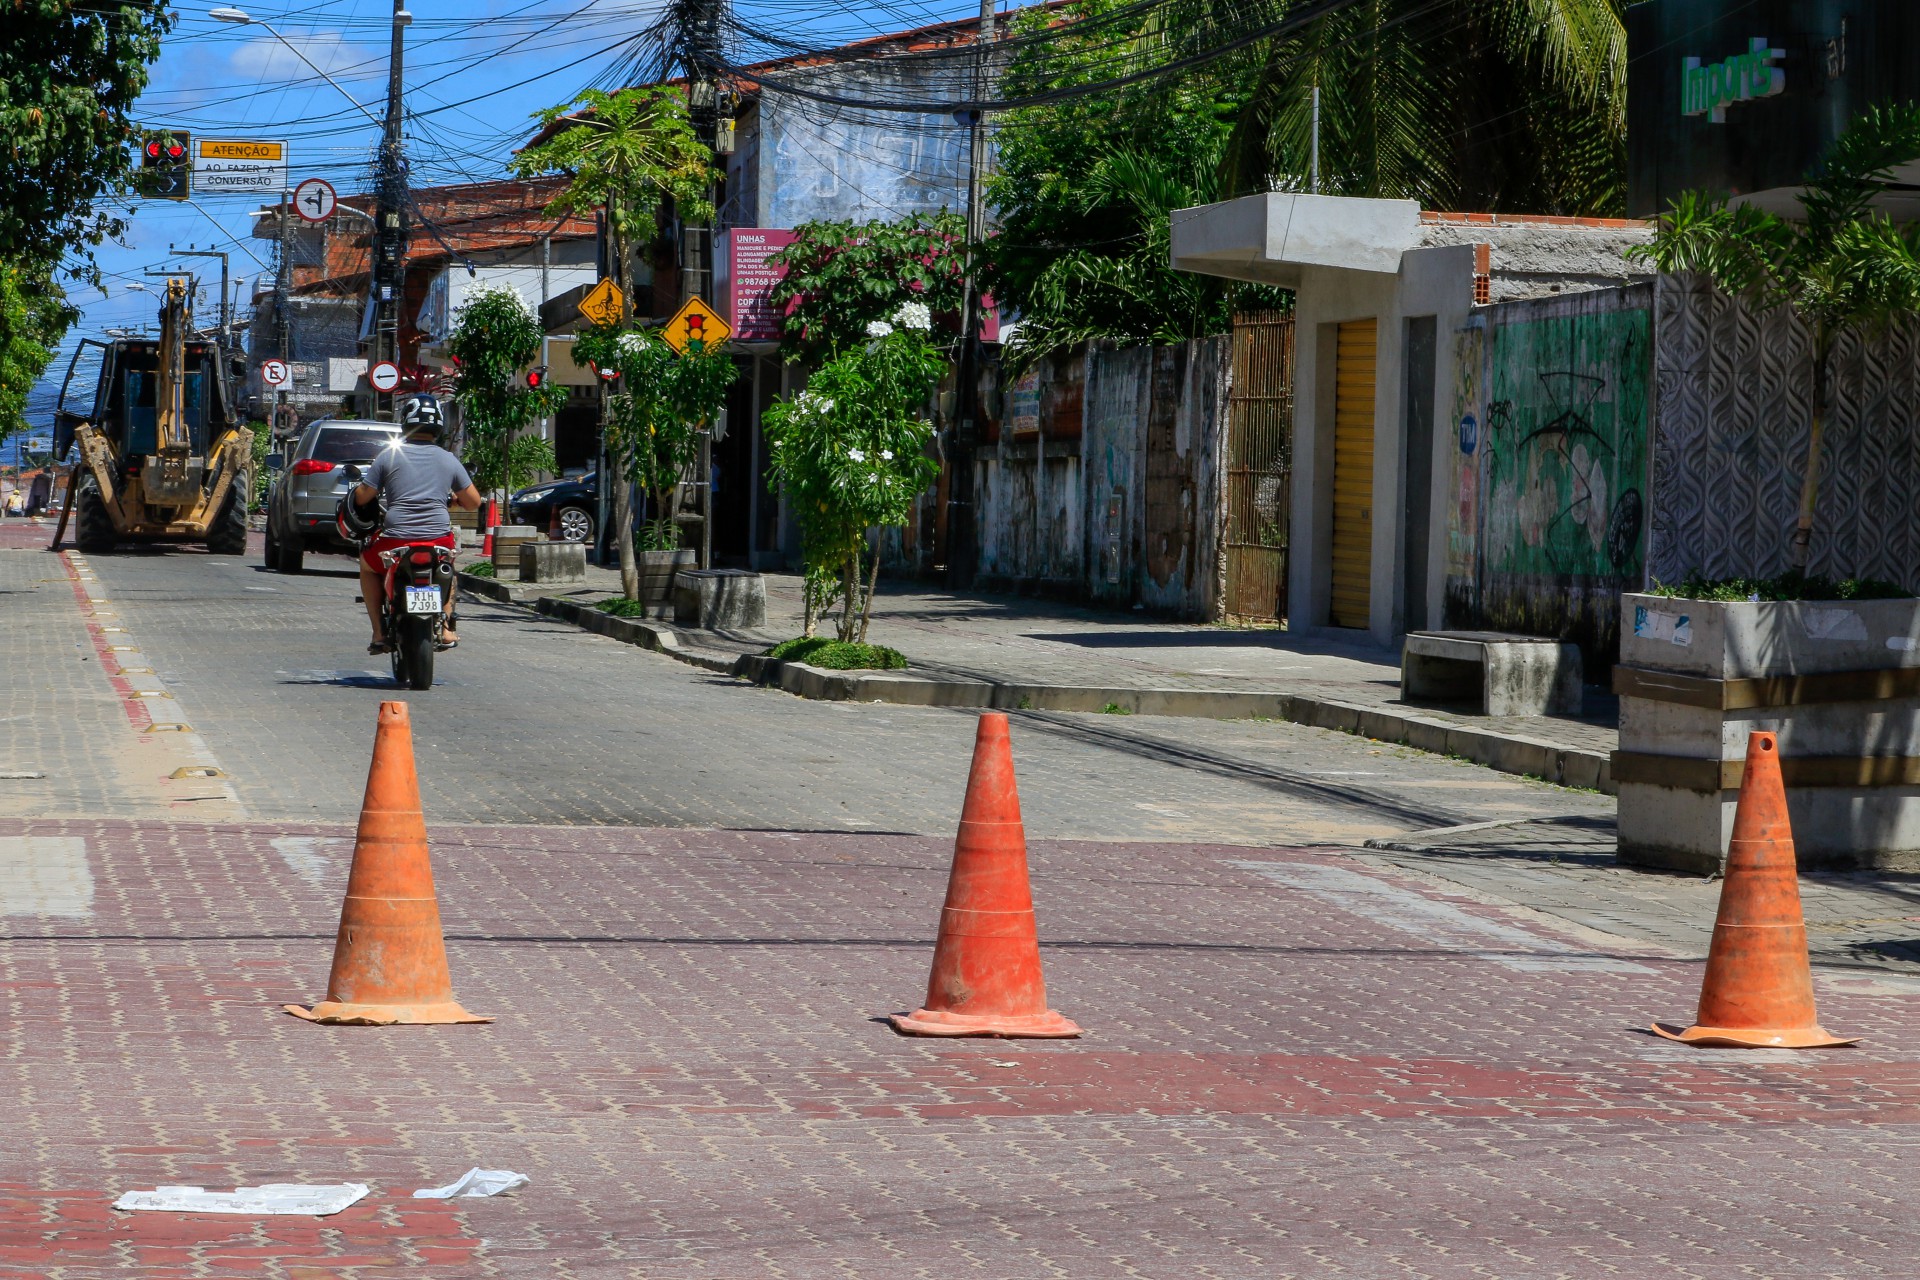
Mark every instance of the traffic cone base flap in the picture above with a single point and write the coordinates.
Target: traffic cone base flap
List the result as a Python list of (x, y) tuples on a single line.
[(389, 959), (986, 977), (1758, 990)]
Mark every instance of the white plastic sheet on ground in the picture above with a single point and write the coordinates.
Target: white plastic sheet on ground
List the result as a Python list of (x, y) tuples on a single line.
[(475, 1182), (274, 1197)]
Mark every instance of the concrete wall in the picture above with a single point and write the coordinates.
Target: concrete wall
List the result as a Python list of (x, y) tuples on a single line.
[(1115, 497), (1730, 443), (1548, 431)]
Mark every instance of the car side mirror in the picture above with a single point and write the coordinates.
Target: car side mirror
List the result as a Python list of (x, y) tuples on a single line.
[(353, 473), (275, 461)]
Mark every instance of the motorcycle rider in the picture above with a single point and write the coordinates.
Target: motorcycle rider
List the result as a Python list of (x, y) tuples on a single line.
[(416, 475)]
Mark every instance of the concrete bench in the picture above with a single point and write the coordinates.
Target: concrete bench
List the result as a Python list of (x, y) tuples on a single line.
[(1507, 675), (719, 599), (553, 562)]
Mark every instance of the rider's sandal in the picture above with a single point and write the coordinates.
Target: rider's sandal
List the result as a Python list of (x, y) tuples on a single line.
[(444, 645), (379, 647)]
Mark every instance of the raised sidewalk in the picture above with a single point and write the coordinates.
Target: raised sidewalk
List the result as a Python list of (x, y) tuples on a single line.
[(1007, 652)]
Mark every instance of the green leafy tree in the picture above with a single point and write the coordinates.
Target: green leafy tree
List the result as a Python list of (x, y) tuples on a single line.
[(1842, 268), (69, 75), (1084, 186), (843, 276), (33, 315), (663, 401), (850, 454), (627, 153), (496, 338)]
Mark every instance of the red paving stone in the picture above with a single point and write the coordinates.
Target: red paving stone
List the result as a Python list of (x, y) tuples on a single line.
[(687, 1064)]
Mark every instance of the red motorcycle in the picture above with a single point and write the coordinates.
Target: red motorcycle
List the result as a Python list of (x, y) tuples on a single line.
[(419, 581)]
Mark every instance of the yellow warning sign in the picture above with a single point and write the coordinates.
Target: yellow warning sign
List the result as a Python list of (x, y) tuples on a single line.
[(695, 325), (603, 303), (229, 149)]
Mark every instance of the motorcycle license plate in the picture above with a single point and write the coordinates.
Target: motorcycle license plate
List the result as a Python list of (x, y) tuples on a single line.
[(423, 599)]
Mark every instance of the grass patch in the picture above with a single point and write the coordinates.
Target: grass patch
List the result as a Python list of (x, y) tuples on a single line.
[(480, 569), (621, 607), (1114, 709), (834, 655), (1788, 586)]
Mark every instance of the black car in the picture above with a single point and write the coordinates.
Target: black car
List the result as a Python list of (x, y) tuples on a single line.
[(576, 501)]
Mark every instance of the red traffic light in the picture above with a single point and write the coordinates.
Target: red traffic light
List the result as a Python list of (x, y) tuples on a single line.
[(153, 150), (175, 150), (536, 378)]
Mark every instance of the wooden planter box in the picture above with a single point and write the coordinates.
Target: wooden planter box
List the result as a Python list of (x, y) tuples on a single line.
[(1837, 680)]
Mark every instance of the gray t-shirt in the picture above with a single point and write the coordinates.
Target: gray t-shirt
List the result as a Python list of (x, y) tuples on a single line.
[(417, 479)]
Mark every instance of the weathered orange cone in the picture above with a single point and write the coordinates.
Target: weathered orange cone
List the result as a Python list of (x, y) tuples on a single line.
[(1758, 992), (986, 965), (389, 961)]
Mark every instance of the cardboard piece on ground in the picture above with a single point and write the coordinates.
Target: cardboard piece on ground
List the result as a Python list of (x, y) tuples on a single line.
[(274, 1197), (475, 1182)]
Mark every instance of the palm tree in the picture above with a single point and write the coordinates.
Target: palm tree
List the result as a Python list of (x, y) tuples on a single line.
[(1841, 268), (1487, 105)]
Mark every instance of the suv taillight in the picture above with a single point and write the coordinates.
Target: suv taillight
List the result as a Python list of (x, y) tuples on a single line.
[(311, 467)]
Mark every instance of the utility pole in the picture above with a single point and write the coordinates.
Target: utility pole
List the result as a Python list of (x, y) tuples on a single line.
[(962, 544), (388, 270), (696, 239)]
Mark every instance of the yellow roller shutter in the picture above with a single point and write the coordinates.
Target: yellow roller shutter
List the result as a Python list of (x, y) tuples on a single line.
[(1353, 473)]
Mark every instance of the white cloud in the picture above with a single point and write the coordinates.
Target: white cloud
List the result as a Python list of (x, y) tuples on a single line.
[(266, 59)]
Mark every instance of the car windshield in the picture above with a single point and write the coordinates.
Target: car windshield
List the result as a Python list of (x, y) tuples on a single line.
[(351, 444)]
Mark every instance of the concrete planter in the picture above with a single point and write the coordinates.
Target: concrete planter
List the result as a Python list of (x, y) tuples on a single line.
[(657, 570), (1839, 681)]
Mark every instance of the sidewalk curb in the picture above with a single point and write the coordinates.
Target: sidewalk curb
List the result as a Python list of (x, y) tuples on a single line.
[(1505, 753)]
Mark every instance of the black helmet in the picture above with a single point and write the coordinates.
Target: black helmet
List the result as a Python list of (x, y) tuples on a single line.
[(420, 414), (356, 523)]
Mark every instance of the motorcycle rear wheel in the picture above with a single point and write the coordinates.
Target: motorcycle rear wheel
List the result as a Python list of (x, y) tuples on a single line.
[(413, 655)]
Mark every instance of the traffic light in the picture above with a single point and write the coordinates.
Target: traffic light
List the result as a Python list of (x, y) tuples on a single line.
[(166, 165), (536, 378)]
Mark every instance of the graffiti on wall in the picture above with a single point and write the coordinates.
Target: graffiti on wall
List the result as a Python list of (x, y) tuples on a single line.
[(1548, 516)]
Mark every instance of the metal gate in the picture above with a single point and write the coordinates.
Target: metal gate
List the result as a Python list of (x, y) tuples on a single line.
[(1259, 467)]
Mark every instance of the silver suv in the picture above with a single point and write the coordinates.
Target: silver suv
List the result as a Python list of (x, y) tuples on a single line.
[(300, 506)]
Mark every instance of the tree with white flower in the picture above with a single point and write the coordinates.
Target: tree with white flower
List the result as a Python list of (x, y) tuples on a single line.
[(496, 338), (850, 455)]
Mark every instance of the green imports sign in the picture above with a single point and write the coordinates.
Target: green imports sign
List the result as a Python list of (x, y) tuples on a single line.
[(1754, 74)]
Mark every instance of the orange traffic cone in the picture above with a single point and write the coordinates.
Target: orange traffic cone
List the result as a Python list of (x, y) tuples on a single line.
[(389, 961), (986, 965), (1758, 992)]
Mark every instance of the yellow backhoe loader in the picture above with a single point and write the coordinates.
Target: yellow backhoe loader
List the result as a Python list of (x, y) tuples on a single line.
[(162, 457)]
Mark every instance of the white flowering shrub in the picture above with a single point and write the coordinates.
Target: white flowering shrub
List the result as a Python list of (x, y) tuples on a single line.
[(850, 455)]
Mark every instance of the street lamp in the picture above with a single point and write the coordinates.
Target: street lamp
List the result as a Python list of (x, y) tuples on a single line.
[(241, 18)]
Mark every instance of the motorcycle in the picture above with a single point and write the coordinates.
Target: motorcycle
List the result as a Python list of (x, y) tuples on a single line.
[(419, 580)]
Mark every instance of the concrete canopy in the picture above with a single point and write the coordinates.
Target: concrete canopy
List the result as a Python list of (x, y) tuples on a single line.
[(1270, 238)]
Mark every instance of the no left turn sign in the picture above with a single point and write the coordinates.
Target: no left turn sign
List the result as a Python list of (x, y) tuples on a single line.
[(314, 199), (384, 376), (274, 373)]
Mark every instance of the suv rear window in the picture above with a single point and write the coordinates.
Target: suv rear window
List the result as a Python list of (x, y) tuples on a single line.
[(351, 444)]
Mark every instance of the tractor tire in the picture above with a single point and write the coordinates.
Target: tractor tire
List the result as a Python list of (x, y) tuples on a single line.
[(228, 536), (93, 530)]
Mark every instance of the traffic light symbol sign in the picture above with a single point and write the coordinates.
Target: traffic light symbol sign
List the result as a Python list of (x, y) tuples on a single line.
[(695, 325)]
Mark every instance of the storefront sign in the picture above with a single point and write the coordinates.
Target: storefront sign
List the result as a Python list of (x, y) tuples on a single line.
[(1706, 90), (751, 280)]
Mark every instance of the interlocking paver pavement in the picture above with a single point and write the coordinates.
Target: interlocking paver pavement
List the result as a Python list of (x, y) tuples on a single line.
[(1294, 1066)]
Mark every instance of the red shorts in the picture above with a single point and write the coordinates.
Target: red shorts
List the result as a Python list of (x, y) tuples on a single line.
[(370, 555)]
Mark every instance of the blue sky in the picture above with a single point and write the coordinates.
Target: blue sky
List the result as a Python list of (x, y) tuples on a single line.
[(474, 74)]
